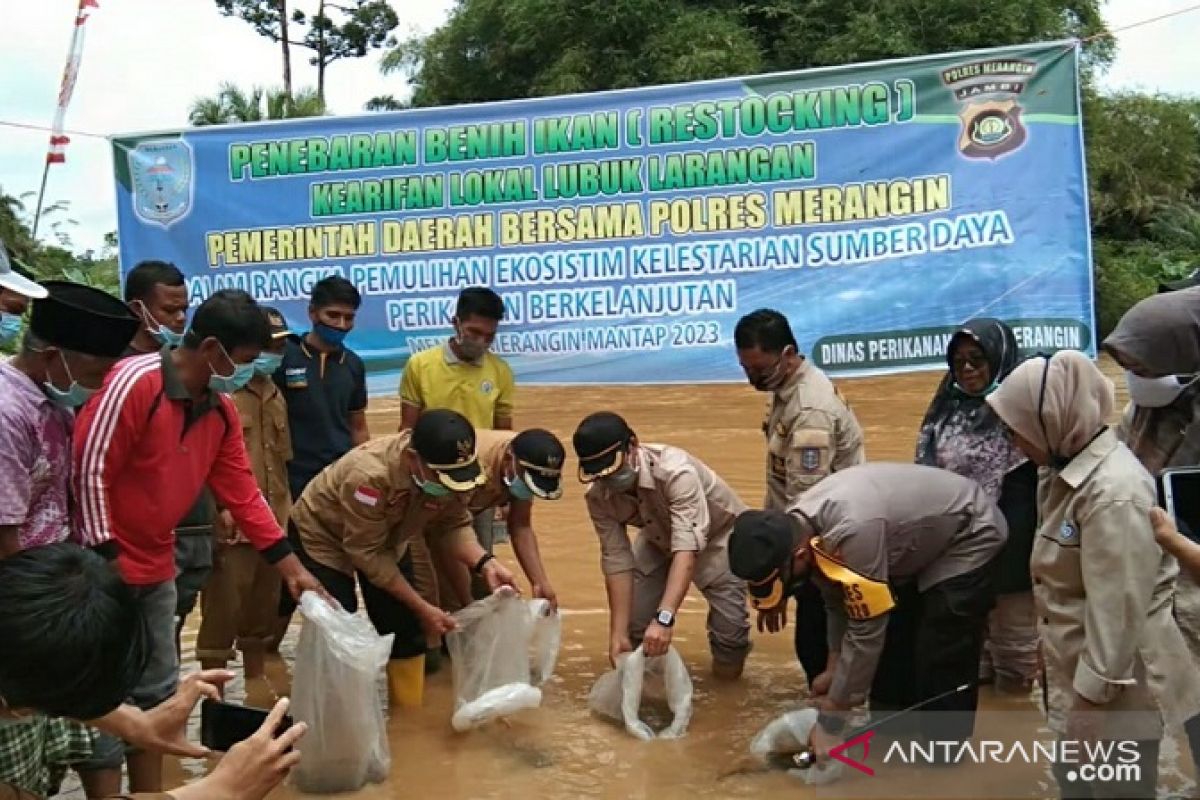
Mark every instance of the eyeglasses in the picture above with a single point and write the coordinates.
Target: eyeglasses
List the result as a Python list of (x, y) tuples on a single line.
[(974, 362)]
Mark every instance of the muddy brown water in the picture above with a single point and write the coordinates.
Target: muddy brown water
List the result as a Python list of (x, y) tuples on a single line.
[(561, 750)]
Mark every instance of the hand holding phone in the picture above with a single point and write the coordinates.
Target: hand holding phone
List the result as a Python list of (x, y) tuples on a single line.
[(222, 725), (1179, 494)]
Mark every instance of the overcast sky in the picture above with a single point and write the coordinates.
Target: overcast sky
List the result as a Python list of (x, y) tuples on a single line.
[(145, 61)]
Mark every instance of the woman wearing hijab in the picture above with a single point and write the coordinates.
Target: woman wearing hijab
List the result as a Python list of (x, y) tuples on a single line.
[(962, 434), (1158, 344), (1116, 663)]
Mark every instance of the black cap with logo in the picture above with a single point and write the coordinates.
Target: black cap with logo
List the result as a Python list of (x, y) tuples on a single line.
[(445, 441), (760, 547), (539, 456), (600, 442), (77, 317)]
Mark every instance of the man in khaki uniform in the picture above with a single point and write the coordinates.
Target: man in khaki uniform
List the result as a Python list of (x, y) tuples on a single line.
[(811, 432), (684, 512), (860, 534), (519, 468), (359, 515), (242, 595)]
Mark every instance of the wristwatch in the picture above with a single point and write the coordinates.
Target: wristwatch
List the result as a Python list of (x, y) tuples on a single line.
[(831, 723), (665, 617), (478, 568)]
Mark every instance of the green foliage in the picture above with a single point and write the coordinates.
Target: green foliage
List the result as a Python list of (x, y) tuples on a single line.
[(503, 49), (233, 104), (366, 25)]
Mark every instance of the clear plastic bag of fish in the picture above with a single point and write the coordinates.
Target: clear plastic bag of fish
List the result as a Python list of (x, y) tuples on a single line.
[(788, 734), (504, 648), (620, 694), (339, 661)]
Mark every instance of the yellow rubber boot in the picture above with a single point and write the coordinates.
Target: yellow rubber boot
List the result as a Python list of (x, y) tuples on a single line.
[(406, 681)]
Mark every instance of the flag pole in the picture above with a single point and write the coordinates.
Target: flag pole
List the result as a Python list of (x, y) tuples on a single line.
[(37, 215)]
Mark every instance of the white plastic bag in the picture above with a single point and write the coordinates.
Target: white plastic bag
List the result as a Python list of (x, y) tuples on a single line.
[(339, 660), (788, 734), (503, 649), (617, 694)]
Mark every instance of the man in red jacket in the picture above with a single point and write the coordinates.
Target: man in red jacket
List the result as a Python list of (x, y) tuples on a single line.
[(160, 429)]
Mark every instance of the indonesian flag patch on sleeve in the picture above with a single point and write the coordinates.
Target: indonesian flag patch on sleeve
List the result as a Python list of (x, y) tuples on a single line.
[(367, 495)]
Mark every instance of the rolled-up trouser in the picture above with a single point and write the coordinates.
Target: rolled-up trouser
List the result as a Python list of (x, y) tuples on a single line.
[(933, 643), (193, 565), (1011, 648), (239, 604), (728, 620)]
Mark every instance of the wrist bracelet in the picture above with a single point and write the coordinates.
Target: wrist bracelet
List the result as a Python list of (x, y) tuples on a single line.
[(477, 569)]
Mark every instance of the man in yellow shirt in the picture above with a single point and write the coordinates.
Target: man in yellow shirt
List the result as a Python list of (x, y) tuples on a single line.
[(463, 376)]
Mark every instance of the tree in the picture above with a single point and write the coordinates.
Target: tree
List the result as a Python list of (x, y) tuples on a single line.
[(503, 49), (362, 25), (233, 104), (367, 25), (270, 19), (384, 102)]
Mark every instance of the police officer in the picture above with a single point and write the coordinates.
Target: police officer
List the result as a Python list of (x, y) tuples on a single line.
[(858, 535), (520, 468), (810, 432), (684, 512), (359, 515)]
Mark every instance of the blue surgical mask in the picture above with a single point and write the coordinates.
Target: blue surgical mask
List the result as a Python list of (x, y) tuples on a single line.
[(73, 396), (167, 336), (329, 335), (518, 488), (10, 327), (160, 333), (431, 488), (267, 363), (228, 384)]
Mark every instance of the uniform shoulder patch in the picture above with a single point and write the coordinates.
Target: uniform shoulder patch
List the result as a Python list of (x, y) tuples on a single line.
[(368, 495)]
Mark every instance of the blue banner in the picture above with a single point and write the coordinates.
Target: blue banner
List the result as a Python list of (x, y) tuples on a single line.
[(878, 206)]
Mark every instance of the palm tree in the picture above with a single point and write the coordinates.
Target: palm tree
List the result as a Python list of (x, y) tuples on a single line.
[(233, 104)]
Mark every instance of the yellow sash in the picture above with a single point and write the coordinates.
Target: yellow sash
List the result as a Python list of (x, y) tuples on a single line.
[(864, 598)]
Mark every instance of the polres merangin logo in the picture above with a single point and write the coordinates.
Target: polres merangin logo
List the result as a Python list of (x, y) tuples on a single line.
[(161, 174), (991, 116)]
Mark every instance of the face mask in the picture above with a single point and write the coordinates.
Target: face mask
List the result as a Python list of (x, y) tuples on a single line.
[(1155, 392), (472, 349), (73, 396), (331, 336), (160, 333), (228, 384), (431, 488), (10, 327), (773, 379), (518, 488), (621, 480), (267, 363)]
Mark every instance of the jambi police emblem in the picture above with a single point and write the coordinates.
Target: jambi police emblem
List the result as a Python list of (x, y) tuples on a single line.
[(991, 116), (161, 172)]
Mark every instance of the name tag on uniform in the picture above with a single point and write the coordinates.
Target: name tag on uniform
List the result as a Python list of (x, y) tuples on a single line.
[(296, 377)]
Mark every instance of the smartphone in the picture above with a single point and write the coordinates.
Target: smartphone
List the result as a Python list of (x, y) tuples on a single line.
[(1179, 494), (222, 725)]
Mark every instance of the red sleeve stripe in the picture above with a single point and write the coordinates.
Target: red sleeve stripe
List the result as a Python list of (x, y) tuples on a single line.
[(93, 501)]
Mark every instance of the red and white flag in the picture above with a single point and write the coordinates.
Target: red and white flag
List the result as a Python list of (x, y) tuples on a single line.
[(58, 139)]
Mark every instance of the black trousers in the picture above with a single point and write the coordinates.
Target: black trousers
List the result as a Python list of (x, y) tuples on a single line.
[(386, 613), (934, 639), (810, 630)]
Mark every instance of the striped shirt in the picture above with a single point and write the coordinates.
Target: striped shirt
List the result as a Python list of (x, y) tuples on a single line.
[(143, 450)]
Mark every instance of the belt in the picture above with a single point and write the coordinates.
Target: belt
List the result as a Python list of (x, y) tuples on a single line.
[(194, 530)]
